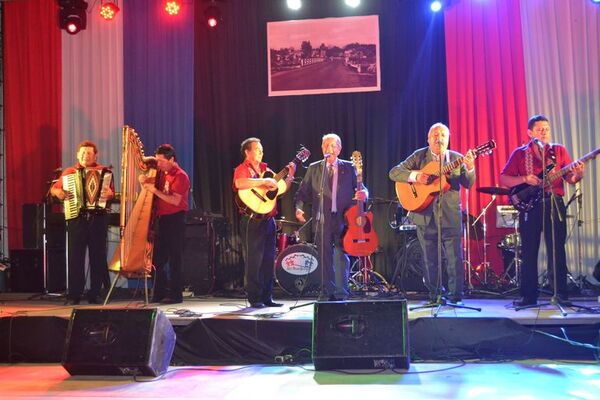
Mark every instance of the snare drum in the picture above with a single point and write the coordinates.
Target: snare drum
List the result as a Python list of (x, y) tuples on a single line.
[(297, 270), (285, 240)]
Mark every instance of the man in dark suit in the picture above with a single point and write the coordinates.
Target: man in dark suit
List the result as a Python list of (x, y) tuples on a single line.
[(426, 219), (339, 191)]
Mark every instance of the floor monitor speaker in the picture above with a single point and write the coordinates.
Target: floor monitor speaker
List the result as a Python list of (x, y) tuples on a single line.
[(361, 335), (118, 342)]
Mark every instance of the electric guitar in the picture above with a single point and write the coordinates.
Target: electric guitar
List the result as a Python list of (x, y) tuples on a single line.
[(262, 201), (360, 239), (415, 196), (524, 196)]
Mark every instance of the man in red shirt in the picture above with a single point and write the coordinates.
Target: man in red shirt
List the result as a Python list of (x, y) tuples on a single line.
[(525, 166), (89, 229), (171, 191), (258, 230)]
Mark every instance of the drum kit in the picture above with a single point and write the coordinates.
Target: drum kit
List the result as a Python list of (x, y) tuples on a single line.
[(298, 272), (297, 268), (506, 217)]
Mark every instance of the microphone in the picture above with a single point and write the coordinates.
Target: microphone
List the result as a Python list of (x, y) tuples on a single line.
[(327, 155), (539, 143)]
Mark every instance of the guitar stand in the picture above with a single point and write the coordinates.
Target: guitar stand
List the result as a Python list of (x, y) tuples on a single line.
[(366, 280)]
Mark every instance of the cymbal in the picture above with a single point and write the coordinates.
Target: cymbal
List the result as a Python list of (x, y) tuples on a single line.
[(287, 222), (493, 190)]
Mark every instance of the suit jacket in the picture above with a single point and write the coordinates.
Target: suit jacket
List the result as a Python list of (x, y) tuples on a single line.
[(451, 214), (309, 189)]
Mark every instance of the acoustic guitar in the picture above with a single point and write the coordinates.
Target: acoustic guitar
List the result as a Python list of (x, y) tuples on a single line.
[(415, 196), (360, 239), (262, 201)]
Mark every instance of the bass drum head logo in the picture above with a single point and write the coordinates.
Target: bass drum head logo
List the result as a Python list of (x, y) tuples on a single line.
[(299, 263)]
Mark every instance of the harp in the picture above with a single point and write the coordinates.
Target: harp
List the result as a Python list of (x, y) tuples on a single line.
[(133, 256)]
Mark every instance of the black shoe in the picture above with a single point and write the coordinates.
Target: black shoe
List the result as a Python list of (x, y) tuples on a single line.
[(257, 305), (271, 303), (169, 300), (524, 302), (95, 300)]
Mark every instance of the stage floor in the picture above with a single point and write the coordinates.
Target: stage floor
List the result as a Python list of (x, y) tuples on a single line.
[(193, 308), (523, 380)]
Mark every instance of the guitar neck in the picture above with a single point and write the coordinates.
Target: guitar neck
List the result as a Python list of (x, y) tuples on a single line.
[(281, 174), (450, 166), (558, 174)]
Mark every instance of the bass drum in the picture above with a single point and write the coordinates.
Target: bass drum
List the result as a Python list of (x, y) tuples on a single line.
[(297, 270)]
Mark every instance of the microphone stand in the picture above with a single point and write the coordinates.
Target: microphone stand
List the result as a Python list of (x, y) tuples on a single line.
[(440, 300), (320, 220)]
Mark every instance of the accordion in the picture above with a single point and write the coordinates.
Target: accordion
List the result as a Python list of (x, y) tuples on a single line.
[(86, 185)]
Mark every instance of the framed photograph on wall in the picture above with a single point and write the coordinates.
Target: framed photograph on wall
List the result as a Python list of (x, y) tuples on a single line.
[(328, 55)]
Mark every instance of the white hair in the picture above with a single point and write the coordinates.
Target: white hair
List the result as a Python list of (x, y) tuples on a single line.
[(438, 125), (332, 136)]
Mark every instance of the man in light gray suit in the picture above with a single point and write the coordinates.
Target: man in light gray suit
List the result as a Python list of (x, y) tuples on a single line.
[(426, 219), (338, 195)]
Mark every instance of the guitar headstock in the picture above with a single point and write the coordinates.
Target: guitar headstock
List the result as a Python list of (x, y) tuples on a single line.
[(485, 148), (357, 161), (302, 155)]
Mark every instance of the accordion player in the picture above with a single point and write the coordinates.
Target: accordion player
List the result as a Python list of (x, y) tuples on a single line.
[(85, 189)]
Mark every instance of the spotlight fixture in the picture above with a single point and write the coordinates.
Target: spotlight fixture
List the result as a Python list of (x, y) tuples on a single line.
[(352, 3), (596, 1), (172, 7), (436, 6), (294, 4), (108, 9), (212, 15), (72, 15)]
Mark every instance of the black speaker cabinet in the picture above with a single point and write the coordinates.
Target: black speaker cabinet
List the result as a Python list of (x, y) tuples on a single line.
[(33, 227), (361, 335), (27, 270), (118, 342), (197, 268)]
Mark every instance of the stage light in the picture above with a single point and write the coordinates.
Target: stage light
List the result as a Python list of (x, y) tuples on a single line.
[(294, 4), (172, 7), (436, 6), (212, 15), (72, 15), (108, 10), (596, 1), (352, 3)]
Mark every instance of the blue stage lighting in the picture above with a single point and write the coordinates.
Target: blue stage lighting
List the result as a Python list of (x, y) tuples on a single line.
[(436, 6)]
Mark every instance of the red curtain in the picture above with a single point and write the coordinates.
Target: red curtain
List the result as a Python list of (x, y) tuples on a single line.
[(486, 96), (32, 43)]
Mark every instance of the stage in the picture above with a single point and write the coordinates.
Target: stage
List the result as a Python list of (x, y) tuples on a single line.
[(225, 331)]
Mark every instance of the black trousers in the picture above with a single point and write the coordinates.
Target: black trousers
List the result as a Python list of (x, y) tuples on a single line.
[(258, 243), (336, 264), (87, 232), (531, 224), (167, 257), (451, 249)]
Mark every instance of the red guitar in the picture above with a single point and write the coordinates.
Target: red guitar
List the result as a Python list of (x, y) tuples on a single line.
[(360, 239)]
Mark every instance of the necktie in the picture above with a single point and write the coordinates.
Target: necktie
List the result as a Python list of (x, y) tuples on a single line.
[(332, 186)]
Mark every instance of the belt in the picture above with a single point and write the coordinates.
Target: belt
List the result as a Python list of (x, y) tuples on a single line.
[(258, 217)]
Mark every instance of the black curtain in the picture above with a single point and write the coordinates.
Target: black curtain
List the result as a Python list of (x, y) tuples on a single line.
[(231, 102)]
